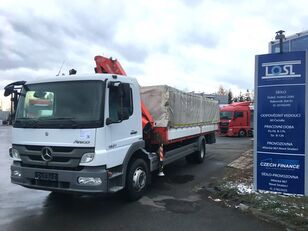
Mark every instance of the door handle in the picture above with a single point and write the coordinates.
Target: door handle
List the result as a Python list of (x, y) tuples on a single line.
[(133, 132)]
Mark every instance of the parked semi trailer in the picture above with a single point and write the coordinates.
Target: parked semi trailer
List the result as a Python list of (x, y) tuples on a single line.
[(102, 133)]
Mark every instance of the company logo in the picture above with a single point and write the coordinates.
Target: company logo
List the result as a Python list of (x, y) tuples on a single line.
[(46, 154), (81, 142), (280, 164), (278, 70)]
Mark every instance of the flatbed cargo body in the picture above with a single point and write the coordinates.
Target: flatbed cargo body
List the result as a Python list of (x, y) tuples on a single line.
[(173, 135), (179, 115)]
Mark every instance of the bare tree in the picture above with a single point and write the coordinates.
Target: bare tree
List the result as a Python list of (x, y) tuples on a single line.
[(222, 91)]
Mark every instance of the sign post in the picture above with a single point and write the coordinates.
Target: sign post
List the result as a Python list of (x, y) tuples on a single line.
[(280, 123)]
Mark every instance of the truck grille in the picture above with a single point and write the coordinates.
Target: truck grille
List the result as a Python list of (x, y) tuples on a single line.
[(55, 149), (62, 157), (223, 130), (56, 158), (224, 124)]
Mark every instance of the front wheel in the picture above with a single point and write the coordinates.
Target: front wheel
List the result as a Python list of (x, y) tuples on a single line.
[(137, 180)]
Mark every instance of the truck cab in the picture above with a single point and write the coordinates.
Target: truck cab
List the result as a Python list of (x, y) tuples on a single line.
[(236, 119), (69, 131)]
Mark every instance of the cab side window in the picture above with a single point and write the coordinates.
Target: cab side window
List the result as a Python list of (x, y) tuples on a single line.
[(238, 114), (120, 103)]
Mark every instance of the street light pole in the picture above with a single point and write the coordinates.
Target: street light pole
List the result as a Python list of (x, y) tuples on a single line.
[(280, 35)]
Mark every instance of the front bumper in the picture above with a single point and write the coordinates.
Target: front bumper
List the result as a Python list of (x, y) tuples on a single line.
[(227, 131), (66, 179)]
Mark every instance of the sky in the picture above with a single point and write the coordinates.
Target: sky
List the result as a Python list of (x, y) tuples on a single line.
[(193, 45)]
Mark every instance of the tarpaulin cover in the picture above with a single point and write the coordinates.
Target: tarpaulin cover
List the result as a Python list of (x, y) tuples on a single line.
[(170, 107)]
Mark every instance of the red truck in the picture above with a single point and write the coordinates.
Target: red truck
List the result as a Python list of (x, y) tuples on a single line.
[(236, 119)]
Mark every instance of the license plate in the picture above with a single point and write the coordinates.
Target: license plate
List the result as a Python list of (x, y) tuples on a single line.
[(46, 176)]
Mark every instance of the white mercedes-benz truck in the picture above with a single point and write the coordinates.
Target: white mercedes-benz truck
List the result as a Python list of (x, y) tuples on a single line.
[(94, 133)]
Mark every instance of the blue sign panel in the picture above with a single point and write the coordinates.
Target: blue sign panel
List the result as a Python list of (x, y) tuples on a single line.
[(281, 119), (287, 68), (280, 173), (280, 147)]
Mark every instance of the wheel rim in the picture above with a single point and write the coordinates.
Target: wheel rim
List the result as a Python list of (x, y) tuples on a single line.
[(242, 133), (139, 179)]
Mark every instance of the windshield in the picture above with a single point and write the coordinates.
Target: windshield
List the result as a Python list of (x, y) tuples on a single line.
[(61, 104), (226, 115)]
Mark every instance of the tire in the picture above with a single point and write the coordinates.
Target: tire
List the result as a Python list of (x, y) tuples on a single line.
[(137, 179), (242, 133), (198, 156), (250, 133)]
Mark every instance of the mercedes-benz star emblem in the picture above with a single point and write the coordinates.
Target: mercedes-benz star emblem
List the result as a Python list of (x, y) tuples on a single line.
[(46, 154)]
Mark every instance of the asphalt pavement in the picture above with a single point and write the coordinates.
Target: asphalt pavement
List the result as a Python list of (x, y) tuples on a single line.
[(172, 203)]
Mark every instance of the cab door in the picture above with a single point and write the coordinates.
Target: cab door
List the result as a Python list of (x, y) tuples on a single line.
[(123, 120), (239, 119)]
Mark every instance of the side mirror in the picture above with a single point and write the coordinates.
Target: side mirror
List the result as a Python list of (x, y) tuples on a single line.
[(124, 89), (125, 94), (8, 90)]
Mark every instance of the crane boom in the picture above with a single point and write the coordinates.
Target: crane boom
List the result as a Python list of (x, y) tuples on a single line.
[(108, 65)]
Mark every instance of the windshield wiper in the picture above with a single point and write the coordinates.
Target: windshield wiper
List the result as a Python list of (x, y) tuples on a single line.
[(64, 121), (39, 122), (59, 118), (56, 122), (27, 122)]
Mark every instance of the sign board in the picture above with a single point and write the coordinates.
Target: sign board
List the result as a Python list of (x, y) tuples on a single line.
[(280, 119)]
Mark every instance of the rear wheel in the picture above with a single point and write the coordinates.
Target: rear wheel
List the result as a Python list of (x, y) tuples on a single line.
[(242, 133), (198, 156), (137, 180)]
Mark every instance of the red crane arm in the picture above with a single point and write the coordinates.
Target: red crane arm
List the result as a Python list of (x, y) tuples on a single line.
[(108, 65)]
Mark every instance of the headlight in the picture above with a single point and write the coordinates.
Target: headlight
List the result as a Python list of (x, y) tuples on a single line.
[(87, 157), (14, 153), (16, 173)]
